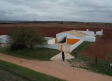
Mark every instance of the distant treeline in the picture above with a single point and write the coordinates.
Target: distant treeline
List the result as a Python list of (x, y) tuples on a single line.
[(12, 22), (45, 21), (5, 23), (60, 22)]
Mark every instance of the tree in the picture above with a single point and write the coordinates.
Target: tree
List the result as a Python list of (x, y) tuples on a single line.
[(21, 37), (60, 22)]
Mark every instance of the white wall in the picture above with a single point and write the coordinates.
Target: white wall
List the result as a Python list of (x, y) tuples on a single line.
[(72, 37), (51, 46), (76, 44), (49, 38), (90, 39), (60, 38), (61, 34), (90, 33), (99, 33), (3, 38), (52, 41), (102, 30)]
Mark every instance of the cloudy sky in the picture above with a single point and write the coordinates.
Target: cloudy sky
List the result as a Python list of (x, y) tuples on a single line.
[(57, 10)]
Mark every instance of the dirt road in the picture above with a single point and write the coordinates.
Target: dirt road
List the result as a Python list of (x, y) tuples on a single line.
[(58, 69)]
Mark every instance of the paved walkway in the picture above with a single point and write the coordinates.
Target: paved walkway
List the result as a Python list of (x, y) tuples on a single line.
[(56, 69), (66, 49), (59, 56)]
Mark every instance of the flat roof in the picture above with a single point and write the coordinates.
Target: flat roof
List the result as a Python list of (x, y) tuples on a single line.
[(76, 33)]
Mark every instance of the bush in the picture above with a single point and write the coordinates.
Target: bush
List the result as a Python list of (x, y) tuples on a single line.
[(22, 37), (15, 47)]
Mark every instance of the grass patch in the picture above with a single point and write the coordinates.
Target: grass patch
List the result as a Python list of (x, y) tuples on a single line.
[(80, 48), (88, 63), (38, 53), (97, 37), (12, 72)]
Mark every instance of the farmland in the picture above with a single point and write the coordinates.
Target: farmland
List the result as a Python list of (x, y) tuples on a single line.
[(101, 48)]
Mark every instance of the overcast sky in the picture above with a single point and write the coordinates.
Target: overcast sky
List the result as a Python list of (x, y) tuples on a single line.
[(57, 10)]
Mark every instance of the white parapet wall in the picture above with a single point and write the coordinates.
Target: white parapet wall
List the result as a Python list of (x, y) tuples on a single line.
[(90, 33), (60, 38), (76, 45), (52, 41), (72, 36), (89, 39), (99, 32), (51, 46), (61, 34)]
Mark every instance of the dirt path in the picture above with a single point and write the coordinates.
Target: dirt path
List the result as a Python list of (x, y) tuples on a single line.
[(58, 69)]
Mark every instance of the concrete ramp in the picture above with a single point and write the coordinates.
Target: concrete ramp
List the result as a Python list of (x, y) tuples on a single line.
[(59, 56), (66, 49)]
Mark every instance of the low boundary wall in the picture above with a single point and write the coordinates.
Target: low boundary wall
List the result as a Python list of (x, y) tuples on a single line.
[(90, 39), (76, 44), (99, 33), (3, 38), (52, 41), (58, 47)]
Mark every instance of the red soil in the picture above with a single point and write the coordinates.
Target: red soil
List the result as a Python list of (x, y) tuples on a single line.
[(100, 48)]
